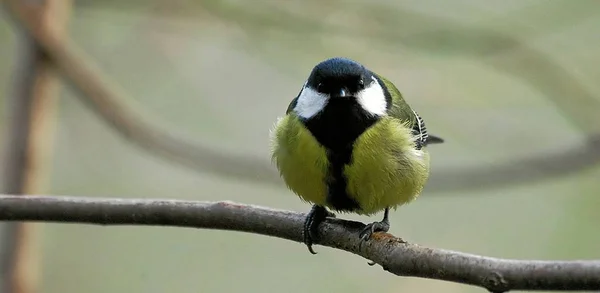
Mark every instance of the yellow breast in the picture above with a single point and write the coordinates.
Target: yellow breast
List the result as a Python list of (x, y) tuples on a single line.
[(385, 171), (301, 160)]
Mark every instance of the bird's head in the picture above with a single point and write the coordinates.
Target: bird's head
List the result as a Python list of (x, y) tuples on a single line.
[(341, 79)]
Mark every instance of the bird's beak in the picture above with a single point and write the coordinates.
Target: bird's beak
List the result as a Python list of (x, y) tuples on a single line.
[(343, 93)]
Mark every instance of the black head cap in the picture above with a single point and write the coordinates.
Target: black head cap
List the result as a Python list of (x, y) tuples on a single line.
[(339, 77)]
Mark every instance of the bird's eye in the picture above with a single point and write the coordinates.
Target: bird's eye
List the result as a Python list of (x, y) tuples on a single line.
[(361, 83), (320, 87)]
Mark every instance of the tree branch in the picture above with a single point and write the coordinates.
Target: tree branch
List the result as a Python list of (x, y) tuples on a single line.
[(28, 145), (393, 254)]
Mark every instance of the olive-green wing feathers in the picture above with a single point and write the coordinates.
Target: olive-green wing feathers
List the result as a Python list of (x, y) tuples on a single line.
[(402, 111), (399, 109)]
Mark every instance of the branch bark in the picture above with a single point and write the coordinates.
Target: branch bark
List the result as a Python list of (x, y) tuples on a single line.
[(393, 254)]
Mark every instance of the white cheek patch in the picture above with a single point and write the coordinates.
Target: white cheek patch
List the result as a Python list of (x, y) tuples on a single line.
[(372, 99), (310, 103)]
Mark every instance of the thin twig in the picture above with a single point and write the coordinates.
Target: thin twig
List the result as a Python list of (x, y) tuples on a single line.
[(393, 254)]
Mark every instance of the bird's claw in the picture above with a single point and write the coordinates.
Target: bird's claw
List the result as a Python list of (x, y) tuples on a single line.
[(309, 235), (370, 229), (311, 225)]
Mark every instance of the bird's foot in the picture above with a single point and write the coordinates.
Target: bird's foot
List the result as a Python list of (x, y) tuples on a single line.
[(368, 231), (311, 225)]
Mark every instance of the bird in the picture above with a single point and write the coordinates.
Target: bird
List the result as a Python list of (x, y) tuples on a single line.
[(350, 143)]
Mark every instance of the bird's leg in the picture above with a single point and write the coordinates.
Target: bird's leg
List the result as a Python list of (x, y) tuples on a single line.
[(382, 226), (311, 225)]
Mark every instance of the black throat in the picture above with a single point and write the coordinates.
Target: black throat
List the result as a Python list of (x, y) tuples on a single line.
[(337, 127)]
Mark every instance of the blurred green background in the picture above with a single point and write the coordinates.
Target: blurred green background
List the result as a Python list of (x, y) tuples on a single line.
[(502, 82)]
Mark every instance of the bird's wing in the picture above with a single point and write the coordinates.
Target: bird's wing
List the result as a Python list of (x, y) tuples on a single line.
[(420, 131), (402, 111)]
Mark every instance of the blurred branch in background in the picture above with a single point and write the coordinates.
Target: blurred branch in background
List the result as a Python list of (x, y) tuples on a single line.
[(109, 101), (499, 51), (28, 145), (393, 254)]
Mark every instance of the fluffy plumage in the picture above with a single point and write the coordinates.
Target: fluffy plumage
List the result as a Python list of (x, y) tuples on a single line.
[(386, 171), (350, 142)]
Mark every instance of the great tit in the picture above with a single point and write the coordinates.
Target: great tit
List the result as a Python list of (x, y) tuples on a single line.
[(349, 142)]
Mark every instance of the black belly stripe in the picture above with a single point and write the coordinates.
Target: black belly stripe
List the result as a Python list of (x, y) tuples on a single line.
[(337, 127), (337, 196)]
